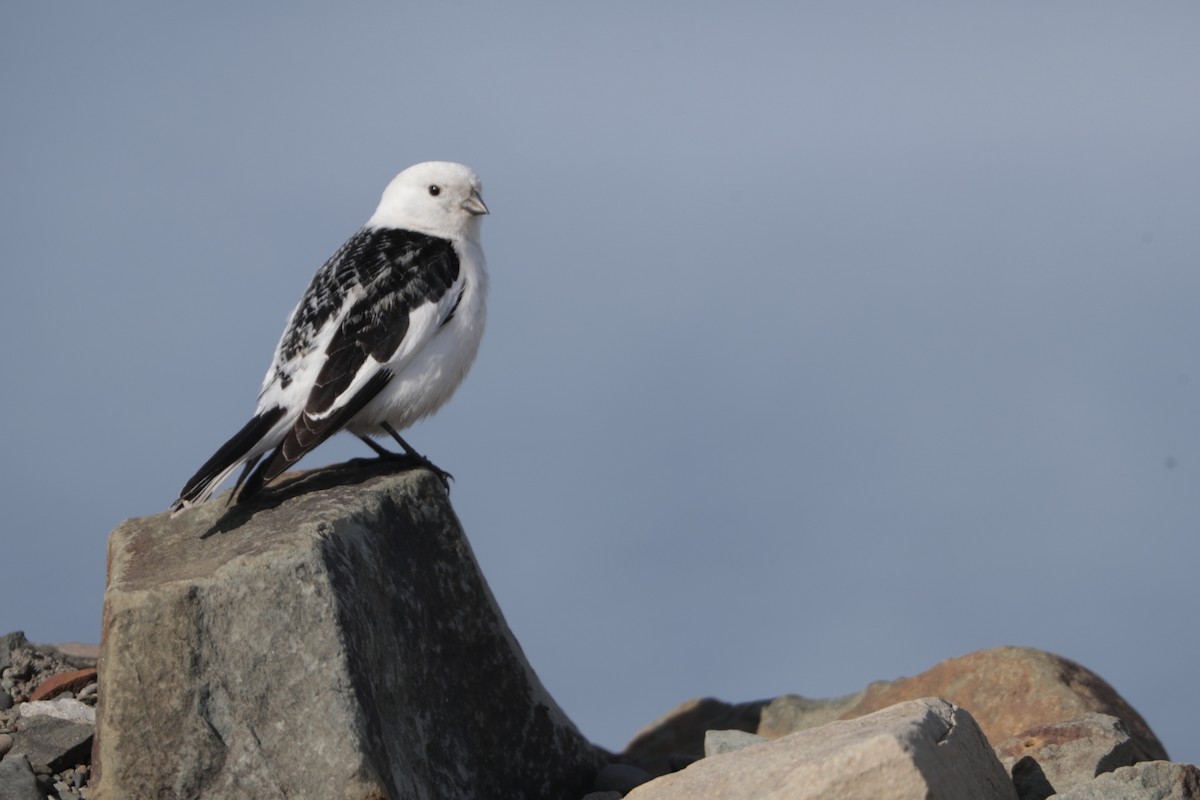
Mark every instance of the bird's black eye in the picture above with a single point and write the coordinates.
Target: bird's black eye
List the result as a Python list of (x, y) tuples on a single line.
[(435, 190)]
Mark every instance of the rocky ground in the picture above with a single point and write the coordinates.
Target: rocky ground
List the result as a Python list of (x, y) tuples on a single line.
[(47, 718), (400, 650), (1015, 724), (1040, 727)]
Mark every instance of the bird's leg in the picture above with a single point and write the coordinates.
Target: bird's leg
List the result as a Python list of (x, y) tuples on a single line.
[(409, 455), (380, 451), (237, 487), (445, 477)]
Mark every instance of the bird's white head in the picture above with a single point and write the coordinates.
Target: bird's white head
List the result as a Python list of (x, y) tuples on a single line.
[(440, 198)]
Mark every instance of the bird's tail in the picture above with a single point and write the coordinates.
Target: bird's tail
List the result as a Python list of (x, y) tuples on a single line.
[(306, 433), (226, 459)]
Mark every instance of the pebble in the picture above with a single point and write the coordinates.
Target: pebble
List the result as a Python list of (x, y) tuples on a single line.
[(6, 743), (6, 700), (60, 708)]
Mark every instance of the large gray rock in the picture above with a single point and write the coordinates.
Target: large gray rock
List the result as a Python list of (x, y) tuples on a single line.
[(1148, 780), (334, 640), (924, 748), (1062, 755)]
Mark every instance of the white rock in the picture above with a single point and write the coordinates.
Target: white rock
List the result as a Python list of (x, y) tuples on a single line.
[(63, 708), (922, 748)]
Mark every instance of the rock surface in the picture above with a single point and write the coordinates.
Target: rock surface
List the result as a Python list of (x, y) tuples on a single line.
[(620, 778), (1148, 780), (51, 743), (1008, 690), (27, 665), (681, 730), (792, 712), (718, 742), (56, 734), (1062, 755), (1070, 751), (66, 708), (8, 643), (334, 640), (17, 781), (924, 748), (337, 640)]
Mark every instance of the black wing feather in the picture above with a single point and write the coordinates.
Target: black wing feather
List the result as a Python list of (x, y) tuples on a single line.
[(229, 453)]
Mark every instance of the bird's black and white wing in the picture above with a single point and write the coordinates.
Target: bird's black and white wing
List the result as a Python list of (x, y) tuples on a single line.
[(376, 304), (373, 305)]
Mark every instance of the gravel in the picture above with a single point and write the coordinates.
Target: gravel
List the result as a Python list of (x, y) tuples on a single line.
[(24, 667)]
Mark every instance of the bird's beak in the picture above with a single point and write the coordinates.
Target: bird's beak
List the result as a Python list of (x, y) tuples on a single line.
[(474, 203)]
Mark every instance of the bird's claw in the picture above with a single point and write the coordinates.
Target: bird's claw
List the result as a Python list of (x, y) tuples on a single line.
[(443, 476), (418, 461)]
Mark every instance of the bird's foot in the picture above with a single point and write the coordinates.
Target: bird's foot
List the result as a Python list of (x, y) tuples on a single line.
[(409, 457), (443, 476), (415, 460)]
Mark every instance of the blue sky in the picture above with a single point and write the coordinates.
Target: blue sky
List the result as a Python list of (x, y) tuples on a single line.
[(826, 341)]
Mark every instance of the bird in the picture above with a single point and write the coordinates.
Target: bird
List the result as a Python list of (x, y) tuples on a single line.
[(382, 337)]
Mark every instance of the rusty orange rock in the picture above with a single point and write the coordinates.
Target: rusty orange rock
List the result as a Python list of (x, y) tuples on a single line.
[(1008, 690), (1011, 689), (63, 682)]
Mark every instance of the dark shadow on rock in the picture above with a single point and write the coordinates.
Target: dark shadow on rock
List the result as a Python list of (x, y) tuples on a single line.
[(1030, 781), (676, 740), (1123, 755), (294, 484)]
